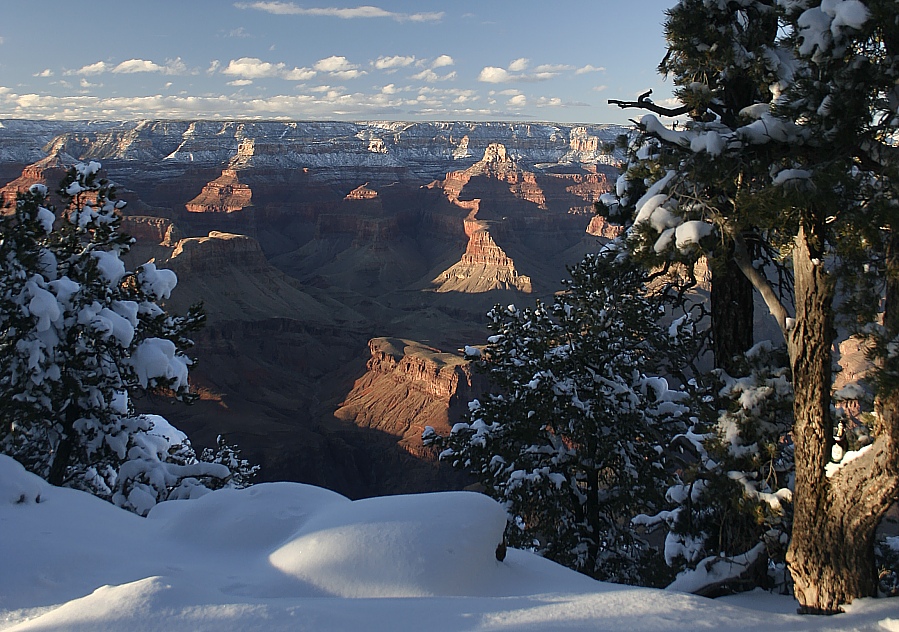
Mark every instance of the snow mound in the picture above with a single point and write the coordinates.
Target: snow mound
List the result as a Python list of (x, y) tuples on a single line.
[(284, 556), (18, 486), (257, 518), (398, 546)]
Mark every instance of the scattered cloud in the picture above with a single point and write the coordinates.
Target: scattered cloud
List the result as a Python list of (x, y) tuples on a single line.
[(430, 76), (213, 67), (364, 12), (600, 88), (46, 72), (493, 74), (552, 68), (548, 102), (442, 61), (90, 69), (255, 68), (393, 63), (240, 32), (588, 68), (241, 82), (389, 89), (87, 84), (338, 66), (171, 67), (516, 72), (519, 65), (519, 100)]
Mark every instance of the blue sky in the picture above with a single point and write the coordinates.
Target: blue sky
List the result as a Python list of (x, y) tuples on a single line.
[(556, 60)]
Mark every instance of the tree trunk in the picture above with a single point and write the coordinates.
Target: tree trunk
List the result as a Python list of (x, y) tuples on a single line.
[(63, 454), (831, 554), (732, 312), (815, 553)]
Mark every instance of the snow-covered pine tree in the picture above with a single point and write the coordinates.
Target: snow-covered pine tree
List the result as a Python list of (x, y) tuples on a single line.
[(730, 517), (567, 439), (79, 332), (812, 168)]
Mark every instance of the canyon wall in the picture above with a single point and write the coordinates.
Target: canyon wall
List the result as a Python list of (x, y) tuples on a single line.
[(341, 265)]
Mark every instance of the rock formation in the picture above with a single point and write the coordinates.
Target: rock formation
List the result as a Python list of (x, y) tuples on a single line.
[(225, 194), (408, 386)]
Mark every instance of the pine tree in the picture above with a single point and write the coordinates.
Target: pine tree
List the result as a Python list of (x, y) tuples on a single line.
[(79, 333), (568, 437), (811, 169)]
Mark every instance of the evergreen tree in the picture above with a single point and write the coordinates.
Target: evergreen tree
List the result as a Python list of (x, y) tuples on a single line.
[(568, 437), (79, 332), (811, 171)]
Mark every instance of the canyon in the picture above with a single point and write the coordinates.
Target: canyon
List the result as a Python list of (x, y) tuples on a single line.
[(342, 267)]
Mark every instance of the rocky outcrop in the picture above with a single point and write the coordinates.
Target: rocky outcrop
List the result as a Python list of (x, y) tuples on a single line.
[(600, 227), (225, 194), (217, 252), (484, 266), (48, 171), (406, 387), (151, 230)]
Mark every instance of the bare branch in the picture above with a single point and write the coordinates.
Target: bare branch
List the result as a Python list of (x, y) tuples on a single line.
[(760, 283), (643, 102)]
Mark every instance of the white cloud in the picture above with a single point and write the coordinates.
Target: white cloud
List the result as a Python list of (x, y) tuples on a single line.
[(548, 102), (239, 32), (90, 69), (518, 100), (552, 68), (255, 68), (600, 88), (299, 74), (442, 61), (171, 67), (241, 82), (432, 77), (515, 72), (213, 66), (388, 89), (46, 72), (392, 63), (334, 63), (519, 65), (289, 8), (492, 74), (588, 68), (339, 67), (87, 84)]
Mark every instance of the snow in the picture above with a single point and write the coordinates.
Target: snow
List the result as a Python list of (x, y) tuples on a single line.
[(157, 283), (692, 232), (286, 556), (111, 267), (832, 468)]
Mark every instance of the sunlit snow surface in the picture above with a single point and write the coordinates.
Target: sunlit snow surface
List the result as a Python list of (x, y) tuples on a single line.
[(285, 556)]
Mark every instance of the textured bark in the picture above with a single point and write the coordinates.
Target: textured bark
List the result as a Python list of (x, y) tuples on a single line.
[(732, 313), (831, 554), (816, 572)]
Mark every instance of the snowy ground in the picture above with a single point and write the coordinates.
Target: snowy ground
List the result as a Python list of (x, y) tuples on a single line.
[(284, 556)]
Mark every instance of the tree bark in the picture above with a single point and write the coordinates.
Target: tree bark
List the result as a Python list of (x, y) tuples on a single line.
[(814, 555), (732, 312), (831, 554)]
